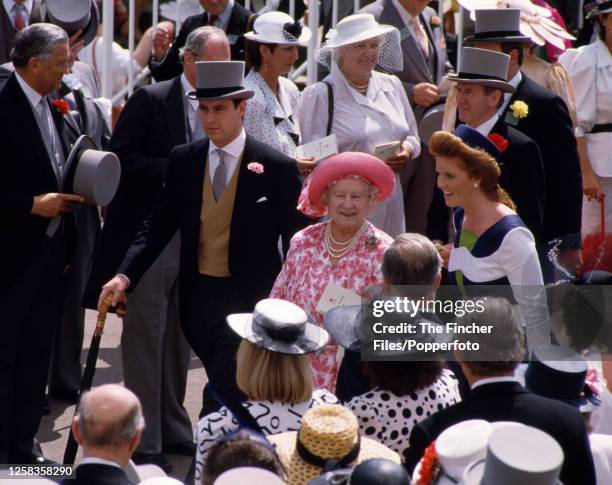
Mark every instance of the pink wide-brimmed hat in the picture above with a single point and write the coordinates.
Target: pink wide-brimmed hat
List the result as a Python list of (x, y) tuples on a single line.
[(344, 165)]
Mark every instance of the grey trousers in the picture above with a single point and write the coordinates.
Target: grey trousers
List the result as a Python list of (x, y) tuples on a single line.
[(155, 353), (418, 181)]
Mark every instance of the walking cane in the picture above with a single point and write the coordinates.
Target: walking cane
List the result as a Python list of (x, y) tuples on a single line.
[(90, 369)]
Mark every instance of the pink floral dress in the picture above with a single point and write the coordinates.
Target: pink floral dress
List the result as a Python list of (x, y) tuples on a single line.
[(308, 270)]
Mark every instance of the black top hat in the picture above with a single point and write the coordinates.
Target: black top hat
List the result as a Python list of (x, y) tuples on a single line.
[(559, 373), (91, 173), (75, 15), (499, 25)]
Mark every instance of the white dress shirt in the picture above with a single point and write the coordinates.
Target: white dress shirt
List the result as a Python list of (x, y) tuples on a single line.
[(92, 460), (233, 152), (192, 104), (265, 106), (515, 81), (493, 380), (360, 124), (8, 7), (487, 126), (223, 21)]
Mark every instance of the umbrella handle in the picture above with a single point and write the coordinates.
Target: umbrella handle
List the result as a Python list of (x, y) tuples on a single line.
[(106, 304)]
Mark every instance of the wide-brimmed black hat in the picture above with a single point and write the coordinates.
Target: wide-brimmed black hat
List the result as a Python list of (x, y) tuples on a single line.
[(498, 25), (279, 326), (75, 15), (220, 80), (91, 173)]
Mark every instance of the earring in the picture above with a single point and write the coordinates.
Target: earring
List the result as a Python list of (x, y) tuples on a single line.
[(475, 186)]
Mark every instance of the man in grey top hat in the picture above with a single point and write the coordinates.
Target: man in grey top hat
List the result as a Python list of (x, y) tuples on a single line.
[(481, 86), (549, 124), (155, 119), (40, 231), (425, 67), (232, 197)]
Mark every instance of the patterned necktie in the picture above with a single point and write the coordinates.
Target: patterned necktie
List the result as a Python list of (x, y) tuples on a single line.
[(220, 176), (19, 22), (47, 119), (421, 36), (212, 19)]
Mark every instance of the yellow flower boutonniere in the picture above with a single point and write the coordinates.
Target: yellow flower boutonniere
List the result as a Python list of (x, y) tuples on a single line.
[(519, 109)]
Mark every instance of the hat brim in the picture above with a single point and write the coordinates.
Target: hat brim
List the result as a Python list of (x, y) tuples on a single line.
[(90, 31), (83, 143), (474, 472), (241, 94), (302, 41), (431, 121), (521, 39), (378, 31), (493, 83), (299, 471), (340, 323), (313, 339)]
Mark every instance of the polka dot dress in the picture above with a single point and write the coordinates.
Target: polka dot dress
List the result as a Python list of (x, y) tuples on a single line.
[(389, 418)]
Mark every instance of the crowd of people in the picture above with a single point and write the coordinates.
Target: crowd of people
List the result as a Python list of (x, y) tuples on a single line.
[(486, 182)]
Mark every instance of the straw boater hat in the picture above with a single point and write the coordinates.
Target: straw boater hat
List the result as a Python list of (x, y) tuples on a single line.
[(483, 67), (328, 438), (535, 23), (91, 173), (75, 15), (344, 165), (279, 326), (220, 80), (559, 373), (517, 455), (278, 28)]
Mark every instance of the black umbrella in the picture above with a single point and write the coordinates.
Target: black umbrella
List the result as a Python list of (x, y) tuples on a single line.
[(90, 368)]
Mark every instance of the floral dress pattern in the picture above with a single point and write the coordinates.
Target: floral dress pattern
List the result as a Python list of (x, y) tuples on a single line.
[(308, 270)]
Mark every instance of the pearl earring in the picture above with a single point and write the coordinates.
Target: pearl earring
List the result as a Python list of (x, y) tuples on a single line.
[(475, 186)]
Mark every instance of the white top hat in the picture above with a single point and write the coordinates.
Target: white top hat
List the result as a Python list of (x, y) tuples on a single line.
[(248, 474), (278, 28)]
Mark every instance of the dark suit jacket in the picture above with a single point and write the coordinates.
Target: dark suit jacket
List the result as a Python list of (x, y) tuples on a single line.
[(239, 24), (416, 68), (98, 474), (509, 401), (550, 126), (26, 171), (254, 259), (522, 176), (150, 125), (7, 30)]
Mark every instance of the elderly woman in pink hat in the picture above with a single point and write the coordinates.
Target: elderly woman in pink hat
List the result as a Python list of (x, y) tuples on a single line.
[(342, 254)]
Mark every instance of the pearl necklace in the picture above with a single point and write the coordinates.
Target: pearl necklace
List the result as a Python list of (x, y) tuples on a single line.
[(346, 246), (361, 88)]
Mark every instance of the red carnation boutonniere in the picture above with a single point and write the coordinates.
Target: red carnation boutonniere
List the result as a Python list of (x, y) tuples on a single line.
[(430, 466), (61, 106), (499, 141), (255, 167)]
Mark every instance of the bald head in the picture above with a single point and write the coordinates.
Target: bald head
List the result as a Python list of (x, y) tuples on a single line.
[(109, 415)]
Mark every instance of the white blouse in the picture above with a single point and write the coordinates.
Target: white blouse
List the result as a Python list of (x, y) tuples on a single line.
[(360, 123), (272, 416), (590, 69), (269, 119), (388, 418)]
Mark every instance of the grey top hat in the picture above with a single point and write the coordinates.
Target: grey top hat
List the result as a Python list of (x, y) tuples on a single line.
[(517, 454), (431, 121), (75, 15), (220, 80), (487, 68), (498, 25), (279, 326), (352, 327), (91, 173)]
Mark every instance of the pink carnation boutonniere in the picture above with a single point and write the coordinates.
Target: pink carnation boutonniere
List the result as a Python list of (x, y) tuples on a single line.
[(255, 167), (435, 22), (61, 106)]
